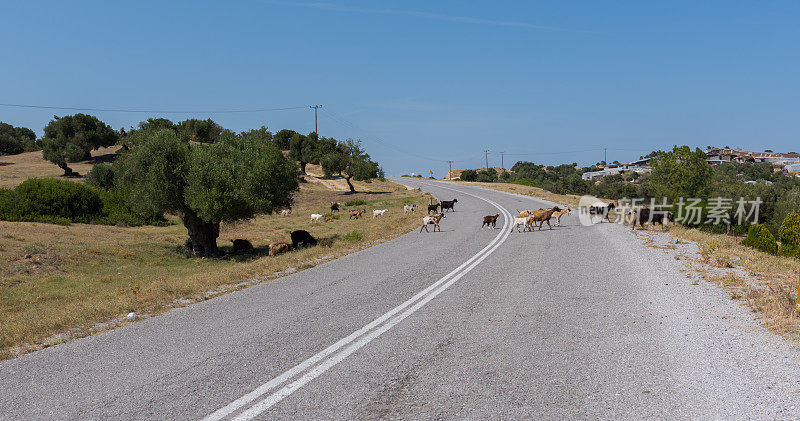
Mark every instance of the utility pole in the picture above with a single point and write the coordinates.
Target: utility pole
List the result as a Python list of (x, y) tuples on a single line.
[(315, 118), (450, 173), (502, 166), (486, 151), (605, 159)]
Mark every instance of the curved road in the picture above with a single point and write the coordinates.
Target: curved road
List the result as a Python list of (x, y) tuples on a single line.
[(574, 322)]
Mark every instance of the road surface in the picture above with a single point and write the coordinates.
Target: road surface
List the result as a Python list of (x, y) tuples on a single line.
[(574, 322)]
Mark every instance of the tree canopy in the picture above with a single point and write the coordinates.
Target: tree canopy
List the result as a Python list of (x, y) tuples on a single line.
[(15, 140), (234, 178), (350, 161), (72, 138), (683, 172)]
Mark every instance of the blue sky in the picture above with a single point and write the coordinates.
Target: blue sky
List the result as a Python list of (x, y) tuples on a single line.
[(424, 82)]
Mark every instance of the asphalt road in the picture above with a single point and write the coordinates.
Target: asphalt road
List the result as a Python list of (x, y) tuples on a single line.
[(574, 322)]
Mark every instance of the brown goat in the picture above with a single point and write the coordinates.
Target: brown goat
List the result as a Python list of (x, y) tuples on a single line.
[(541, 216), (558, 214), (356, 213), (490, 221), (431, 220), (278, 248)]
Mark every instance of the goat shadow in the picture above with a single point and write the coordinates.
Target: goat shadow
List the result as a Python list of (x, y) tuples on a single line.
[(226, 252)]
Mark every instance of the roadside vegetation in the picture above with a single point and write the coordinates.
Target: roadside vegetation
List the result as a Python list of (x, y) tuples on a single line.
[(94, 225)]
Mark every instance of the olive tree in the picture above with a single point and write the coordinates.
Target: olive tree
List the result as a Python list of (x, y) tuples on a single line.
[(203, 131), (234, 178), (351, 162), (15, 140), (303, 149), (72, 138)]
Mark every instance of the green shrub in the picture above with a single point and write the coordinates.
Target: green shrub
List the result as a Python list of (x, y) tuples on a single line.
[(41, 199), (525, 182), (8, 204), (761, 239), (117, 211), (469, 175), (752, 232), (62, 202), (789, 235), (353, 236), (102, 176), (357, 202)]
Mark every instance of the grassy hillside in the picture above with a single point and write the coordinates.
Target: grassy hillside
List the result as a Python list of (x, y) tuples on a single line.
[(14, 169)]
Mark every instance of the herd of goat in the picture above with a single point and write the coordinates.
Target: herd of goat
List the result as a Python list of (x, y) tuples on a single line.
[(526, 221)]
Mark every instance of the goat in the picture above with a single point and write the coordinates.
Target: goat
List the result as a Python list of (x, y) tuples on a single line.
[(407, 209), (521, 220), (334, 207), (490, 221), (330, 218), (242, 246), (448, 204), (278, 248), (286, 212), (558, 214), (603, 209), (524, 213), (379, 212), (645, 215), (542, 216), (356, 213), (431, 220), (433, 208), (316, 217), (301, 238)]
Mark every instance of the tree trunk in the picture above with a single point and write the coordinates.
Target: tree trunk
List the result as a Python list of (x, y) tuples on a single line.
[(349, 184), (202, 235), (303, 167), (67, 170)]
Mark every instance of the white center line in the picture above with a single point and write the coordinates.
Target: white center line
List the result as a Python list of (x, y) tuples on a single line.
[(347, 343)]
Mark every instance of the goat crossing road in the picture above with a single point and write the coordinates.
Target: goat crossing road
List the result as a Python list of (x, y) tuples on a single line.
[(466, 323)]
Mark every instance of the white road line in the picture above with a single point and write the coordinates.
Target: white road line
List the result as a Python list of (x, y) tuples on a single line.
[(437, 287)]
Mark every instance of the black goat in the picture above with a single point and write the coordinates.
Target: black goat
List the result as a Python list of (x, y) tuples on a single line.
[(433, 208), (645, 215), (448, 204), (242, 246), (301, 238)]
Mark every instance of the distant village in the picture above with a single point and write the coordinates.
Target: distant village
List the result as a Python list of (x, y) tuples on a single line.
[(789, 162)]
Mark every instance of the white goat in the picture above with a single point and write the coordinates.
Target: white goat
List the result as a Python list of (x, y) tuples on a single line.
[(286, 212), (407, 209), (524, 221), (315, 217), (379, 212)]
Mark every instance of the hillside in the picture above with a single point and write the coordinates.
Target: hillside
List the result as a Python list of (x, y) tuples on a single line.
[(14, 169)]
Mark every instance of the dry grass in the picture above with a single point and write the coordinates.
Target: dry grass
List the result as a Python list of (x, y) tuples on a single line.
[(65, 280), (14, 169), (770, 289)]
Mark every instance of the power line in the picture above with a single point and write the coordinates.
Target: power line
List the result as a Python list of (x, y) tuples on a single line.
[(125, 110)]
